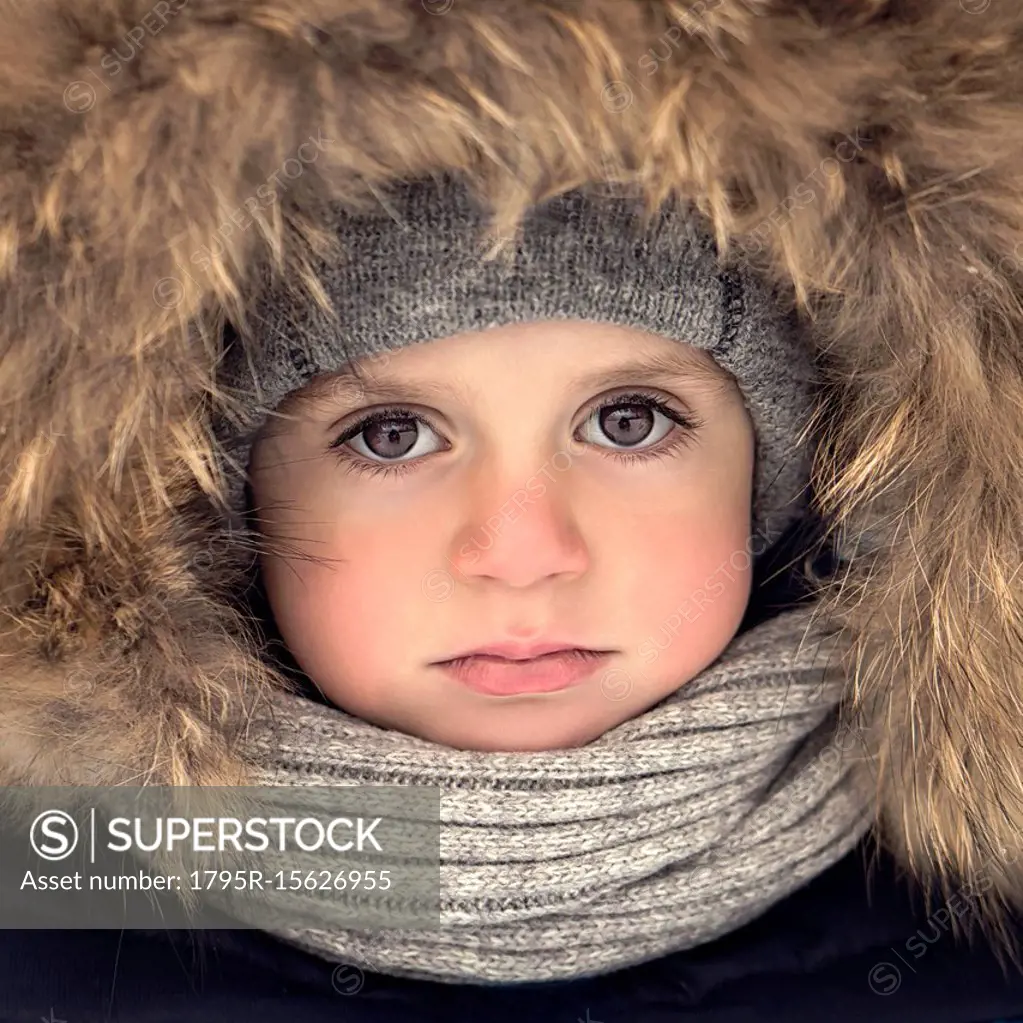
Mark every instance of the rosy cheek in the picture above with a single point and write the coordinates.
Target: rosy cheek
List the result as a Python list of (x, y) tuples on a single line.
[(344, 613), (700, 585)]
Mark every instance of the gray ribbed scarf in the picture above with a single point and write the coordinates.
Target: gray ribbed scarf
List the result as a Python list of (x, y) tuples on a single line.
[(671, 829)]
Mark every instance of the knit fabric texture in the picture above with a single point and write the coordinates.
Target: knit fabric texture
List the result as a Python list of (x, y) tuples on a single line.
[(420, 268), (671, 829)]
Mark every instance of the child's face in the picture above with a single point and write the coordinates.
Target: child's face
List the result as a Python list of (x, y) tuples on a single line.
[(516, 510)]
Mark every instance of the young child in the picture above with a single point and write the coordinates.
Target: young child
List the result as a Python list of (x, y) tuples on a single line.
[(693, 775), (565, 487), (509, 513)]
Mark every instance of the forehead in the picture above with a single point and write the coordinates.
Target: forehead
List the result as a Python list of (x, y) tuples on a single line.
[(383, 377)]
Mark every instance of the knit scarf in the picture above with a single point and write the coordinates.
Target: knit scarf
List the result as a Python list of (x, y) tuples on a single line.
[(670, 830)]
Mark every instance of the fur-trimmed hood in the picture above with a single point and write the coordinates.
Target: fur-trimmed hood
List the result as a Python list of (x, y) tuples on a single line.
[(866, 155)]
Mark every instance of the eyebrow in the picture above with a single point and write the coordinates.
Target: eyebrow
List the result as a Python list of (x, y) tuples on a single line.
[(350, 382)]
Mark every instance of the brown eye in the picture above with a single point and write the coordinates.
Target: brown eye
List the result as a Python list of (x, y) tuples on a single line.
[(629, 422), (626, 424), (390, 436)]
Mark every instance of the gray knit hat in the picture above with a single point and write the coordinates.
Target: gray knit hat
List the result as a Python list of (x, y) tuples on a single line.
[(414, 271)]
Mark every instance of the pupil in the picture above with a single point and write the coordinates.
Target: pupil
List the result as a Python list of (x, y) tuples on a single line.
[(391, 438), (627, 424)]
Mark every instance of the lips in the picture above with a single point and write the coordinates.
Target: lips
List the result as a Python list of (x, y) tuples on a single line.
[(523, 651), (500, 675)]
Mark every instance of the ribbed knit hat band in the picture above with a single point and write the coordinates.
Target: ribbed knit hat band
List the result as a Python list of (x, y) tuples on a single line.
[(415, 272)]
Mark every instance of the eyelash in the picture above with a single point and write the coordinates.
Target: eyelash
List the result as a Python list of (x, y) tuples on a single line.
[(688, 423)]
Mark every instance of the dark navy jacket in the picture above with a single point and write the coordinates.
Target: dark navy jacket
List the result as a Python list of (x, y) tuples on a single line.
[(837, 951)]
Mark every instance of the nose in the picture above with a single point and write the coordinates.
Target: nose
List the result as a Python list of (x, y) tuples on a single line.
[(522, 535)]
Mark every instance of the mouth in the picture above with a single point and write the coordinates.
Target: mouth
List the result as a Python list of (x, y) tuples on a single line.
[(500, 675)]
